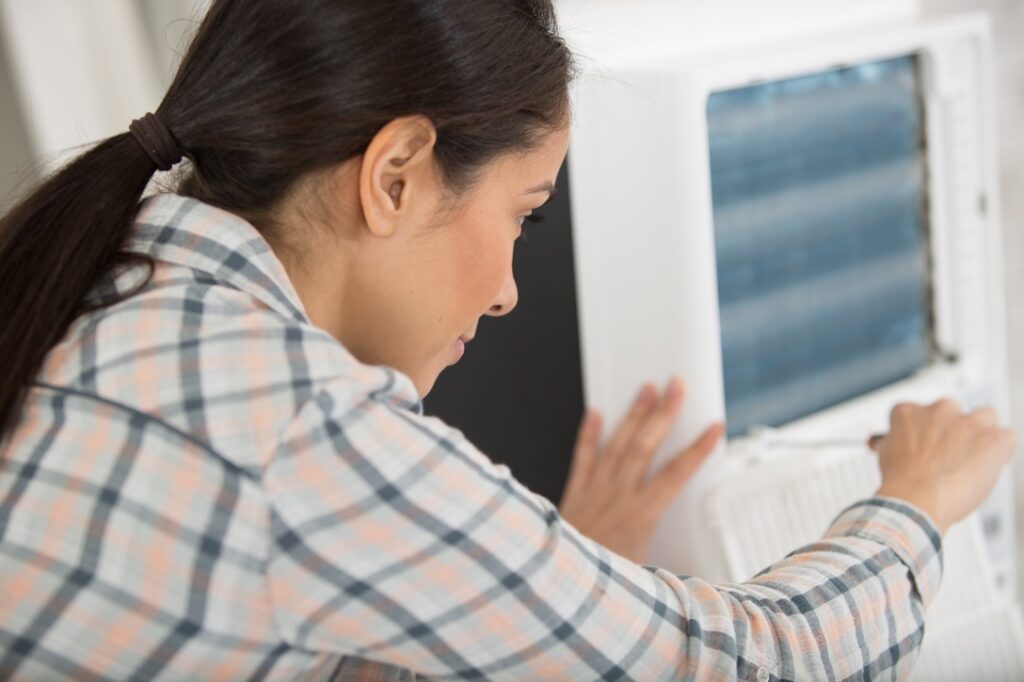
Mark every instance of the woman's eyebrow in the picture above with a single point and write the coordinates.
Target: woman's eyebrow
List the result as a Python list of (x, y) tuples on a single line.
[(548, 187)]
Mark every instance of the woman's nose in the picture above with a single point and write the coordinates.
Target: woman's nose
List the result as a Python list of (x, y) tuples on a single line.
[(507, 299)]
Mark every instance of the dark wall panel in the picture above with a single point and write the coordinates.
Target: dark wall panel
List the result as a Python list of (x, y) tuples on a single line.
[(517, 393)]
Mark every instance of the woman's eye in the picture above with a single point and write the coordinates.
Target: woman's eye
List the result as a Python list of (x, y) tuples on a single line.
[(531, 218)]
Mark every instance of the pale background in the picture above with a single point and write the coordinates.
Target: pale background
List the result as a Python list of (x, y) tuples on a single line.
[(72, 72)]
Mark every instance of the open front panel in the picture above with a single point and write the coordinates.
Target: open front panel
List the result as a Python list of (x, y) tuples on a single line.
[(819, 198)]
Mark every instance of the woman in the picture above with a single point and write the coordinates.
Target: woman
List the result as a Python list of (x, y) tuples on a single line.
[(214, 462)]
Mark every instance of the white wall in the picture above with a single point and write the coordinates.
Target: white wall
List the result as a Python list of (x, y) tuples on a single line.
[(171, 24), (16, 170), (83, 70), (73, 72), (76, 72)]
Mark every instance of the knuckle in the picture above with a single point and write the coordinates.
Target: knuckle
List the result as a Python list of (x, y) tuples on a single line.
[(993, 440), (967, 426), (947, 406), (984, 416), (976, 417), (901, 411), (646, 446)]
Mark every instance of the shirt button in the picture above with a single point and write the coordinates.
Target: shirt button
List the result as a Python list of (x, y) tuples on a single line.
[(762, 675)]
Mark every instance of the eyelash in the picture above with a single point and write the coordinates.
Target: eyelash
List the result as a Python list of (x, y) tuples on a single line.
[(532, 219)]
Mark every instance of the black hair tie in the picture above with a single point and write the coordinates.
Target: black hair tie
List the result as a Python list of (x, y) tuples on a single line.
[(156, 140)]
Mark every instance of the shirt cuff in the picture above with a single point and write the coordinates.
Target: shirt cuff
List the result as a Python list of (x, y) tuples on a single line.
[(906, 530)]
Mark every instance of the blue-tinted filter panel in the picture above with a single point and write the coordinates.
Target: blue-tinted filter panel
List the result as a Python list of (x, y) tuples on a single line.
[(820, 231)]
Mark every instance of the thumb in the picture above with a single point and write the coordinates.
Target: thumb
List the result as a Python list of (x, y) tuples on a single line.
[(875, 441)]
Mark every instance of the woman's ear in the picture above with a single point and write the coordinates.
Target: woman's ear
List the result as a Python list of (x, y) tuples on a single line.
[(396, 173)]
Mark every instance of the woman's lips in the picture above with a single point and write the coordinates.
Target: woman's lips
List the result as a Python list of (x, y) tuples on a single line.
[(459, 348)]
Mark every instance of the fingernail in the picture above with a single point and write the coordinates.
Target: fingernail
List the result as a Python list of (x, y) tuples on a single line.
[(674, 389), (588, 419), (647, 395)]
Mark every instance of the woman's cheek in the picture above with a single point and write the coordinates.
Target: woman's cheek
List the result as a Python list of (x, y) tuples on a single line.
[(486, 264)]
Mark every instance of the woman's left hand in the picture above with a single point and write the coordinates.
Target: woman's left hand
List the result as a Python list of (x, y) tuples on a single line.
[(609, 496)]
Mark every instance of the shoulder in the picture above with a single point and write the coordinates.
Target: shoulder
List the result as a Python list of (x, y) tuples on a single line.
[(211, 360)]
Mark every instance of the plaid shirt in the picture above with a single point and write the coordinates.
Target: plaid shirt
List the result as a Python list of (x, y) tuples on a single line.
[(204, 485)]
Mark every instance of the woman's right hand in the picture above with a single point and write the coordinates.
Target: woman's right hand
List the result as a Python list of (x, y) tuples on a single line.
[(942, 460), (612, 496)]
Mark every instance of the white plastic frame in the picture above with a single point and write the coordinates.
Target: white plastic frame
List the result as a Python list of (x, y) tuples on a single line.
[(645, 256)]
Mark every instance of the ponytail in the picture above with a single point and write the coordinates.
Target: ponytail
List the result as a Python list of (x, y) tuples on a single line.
[(54, 245)]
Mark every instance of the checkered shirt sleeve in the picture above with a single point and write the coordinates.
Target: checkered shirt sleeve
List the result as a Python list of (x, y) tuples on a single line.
[(396, 539)]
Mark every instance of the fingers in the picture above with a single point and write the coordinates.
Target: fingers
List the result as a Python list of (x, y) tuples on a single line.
[(985, 417), (983, 425), (1007, 443), (947, 405), (939, 415), (584, 456), (903, 412), (665, 485), (942, 411), (635, 462), (946, 408), (946, 411), (620, 442)]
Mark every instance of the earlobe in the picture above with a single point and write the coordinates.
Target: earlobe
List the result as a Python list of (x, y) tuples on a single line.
[(397, 160)]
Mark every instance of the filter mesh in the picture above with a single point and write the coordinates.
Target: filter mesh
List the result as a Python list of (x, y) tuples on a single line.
[(818, 190)]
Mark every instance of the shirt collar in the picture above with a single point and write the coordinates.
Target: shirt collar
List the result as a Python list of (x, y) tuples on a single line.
[(184, 231)]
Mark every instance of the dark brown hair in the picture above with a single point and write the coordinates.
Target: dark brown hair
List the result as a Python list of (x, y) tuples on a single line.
[(268, 92)]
